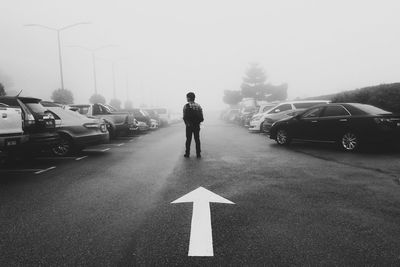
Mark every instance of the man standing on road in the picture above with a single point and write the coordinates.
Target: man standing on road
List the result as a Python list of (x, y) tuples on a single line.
[(192, 116)]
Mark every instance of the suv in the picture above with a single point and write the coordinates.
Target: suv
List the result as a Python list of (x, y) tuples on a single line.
[(37, 122), (256, 123), (11, 132)]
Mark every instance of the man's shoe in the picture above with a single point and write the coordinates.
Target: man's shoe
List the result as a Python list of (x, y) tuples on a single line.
[(198, 156), (186, 155)]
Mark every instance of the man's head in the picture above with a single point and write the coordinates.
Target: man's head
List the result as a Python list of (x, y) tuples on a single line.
[(190, 96)]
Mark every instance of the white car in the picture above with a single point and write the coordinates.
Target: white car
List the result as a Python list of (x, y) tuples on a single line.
[(256, 123), (11, 132)]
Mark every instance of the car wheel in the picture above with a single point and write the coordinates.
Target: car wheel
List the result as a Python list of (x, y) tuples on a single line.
[(350, 141), (64, 147), (282, 137)]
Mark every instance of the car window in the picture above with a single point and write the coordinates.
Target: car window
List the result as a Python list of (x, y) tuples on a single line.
[(370, 109), (307, 104), (281, 108), (332, 111), (12, 102), (266, 108), (36, 108), (83, 110), (312, 113)]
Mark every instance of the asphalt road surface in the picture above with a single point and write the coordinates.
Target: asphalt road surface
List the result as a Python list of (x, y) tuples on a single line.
[(302, 205)]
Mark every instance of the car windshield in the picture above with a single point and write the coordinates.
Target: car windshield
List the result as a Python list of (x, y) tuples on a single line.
[(371, 109), (36, 108)]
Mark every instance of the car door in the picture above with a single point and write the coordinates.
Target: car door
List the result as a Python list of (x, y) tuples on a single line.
[(307, 125), (333, 122)]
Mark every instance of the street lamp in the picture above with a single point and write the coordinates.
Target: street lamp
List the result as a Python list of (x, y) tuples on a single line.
[(113, 64), (93, 51), (58, 30)]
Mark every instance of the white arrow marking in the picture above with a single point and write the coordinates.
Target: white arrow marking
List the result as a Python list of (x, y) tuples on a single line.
[(201, 243)]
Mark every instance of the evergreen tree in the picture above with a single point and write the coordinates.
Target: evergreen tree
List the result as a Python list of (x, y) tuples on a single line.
[(97, 98), (62, 96), (254, 83)]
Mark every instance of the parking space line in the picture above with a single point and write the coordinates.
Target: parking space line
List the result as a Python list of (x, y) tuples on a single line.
[(19, 170), (53, 158), (96, 150), (131, 140), (81, 158), (119, 144), (45, 170)]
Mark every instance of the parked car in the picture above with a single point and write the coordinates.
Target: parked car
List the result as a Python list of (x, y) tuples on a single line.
[(272, 118), (38, 122), (349, 124), (232, 115), (12, 134), (258, 119), (153, 115), (141, 115), (118, 122), (164, 115), (245, 114), (76, 131), (142, 126)]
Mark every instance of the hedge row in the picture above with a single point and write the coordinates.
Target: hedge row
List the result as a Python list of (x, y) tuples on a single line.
[(385, 96)]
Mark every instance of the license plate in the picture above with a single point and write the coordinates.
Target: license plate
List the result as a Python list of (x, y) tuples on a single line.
[(11, 143)]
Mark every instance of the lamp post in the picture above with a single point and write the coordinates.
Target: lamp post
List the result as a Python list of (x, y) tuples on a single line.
[(58, 31), (93, 51)]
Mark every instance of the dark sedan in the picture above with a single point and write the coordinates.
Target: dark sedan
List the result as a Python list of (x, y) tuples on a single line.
[(349, 124)]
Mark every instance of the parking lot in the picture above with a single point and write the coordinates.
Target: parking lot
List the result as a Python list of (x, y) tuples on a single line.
[(111, 204)]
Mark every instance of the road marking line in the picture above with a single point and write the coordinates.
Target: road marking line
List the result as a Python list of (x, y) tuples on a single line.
[(21, 170), (81, 158), (201, 242), (97, 150), (119, 144), (51, 158), (131, 140), (45, 170)]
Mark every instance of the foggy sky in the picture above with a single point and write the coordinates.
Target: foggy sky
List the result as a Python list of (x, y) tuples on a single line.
[(171, 47)]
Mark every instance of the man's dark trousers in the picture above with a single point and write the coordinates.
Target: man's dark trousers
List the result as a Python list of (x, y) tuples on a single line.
[(195, 130)]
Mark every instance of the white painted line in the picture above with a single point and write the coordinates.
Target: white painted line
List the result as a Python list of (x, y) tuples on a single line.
[(45, 170), (52, 158), (19, 170), (201, 243), (131, 140), (119, 144), (96, 150), (81, 158)]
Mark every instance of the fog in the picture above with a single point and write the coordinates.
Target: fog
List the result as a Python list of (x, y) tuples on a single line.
[(163, 49)]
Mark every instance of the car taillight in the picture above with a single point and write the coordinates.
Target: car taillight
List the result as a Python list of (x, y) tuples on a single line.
[(91, 125), (30, 120), (103, 128)]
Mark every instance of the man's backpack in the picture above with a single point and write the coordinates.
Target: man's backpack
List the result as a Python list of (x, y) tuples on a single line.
[(193, 115)]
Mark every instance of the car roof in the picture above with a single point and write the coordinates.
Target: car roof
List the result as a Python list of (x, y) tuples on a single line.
[(23, 99), (80, 105)]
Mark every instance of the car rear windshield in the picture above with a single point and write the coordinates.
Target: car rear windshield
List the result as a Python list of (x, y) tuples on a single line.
[(370, 109), (83, 110), (36, 108), (307, 104)]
